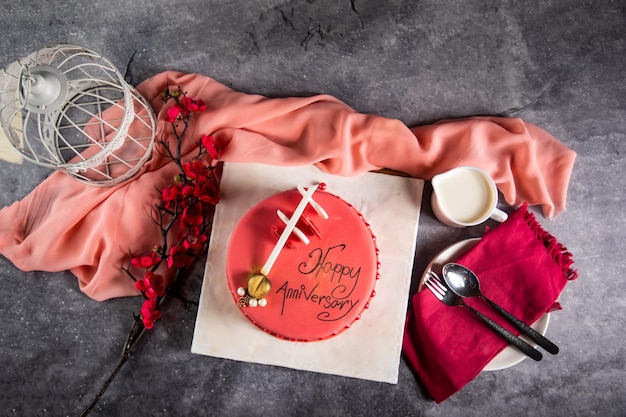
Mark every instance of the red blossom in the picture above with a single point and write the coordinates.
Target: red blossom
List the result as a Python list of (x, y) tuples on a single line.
[(193, 105), (207, 192), (178, 257), (194, 240), (196, 171), (152, 285), (171, 193), (173, 113), (208, 142), (187, 190), (145, 261), (192, 215), (149, 313)]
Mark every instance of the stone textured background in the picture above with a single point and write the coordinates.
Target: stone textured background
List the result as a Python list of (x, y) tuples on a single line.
[(556, 63)]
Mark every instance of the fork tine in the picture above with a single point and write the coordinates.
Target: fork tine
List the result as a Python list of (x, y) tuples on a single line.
[(437, 282), (434, 275), (433, 290)]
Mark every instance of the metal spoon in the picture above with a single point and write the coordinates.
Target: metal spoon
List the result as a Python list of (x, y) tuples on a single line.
[(465, 283)]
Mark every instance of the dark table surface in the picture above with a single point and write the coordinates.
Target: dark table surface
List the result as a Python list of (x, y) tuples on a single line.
[(559, 64)]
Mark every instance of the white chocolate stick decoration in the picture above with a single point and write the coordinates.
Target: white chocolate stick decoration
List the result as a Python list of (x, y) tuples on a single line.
[(299, 233), (319, 209), (288, 229), (258, 283)]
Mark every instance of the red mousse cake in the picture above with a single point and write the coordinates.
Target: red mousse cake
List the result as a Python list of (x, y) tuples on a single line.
[(313, 291)]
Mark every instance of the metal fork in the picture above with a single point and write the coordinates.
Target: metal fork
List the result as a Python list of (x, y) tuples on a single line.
[(438, 287)]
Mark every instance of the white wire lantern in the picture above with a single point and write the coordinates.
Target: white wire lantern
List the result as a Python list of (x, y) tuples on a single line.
[(68, 108)]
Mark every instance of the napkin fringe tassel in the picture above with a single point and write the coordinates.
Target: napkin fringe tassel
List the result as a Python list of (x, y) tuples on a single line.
[(557, 250)]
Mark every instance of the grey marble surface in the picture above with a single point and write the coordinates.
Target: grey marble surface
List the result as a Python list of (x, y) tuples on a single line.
[(557, 63)]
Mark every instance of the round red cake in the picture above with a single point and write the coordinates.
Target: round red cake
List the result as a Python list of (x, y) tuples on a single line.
[(318, 289)]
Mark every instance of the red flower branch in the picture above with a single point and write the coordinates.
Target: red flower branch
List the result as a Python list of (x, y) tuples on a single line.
[(185, 210)]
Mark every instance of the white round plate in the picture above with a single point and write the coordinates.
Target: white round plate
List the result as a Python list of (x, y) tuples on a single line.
[(509, 356)]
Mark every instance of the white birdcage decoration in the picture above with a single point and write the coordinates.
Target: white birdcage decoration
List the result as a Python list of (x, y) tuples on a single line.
[(66, 107)]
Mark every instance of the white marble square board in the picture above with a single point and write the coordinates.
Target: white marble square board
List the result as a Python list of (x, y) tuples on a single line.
[(371, 348)]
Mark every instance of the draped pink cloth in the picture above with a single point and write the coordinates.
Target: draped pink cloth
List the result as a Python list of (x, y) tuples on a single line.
[(64, 224)]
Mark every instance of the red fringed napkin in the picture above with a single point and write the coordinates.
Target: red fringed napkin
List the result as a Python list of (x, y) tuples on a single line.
[(521, 267)]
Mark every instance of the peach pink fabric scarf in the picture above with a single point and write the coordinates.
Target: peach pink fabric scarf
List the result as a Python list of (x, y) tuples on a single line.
[(66, 225)]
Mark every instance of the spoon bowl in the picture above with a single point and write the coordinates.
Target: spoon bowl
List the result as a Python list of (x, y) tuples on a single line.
[(461, 280)]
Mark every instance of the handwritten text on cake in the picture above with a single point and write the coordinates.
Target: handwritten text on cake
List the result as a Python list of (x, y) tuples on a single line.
[(325, 266)]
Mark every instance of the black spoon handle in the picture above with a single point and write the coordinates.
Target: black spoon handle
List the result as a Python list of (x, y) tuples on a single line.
[(533, 334), (508, 336)]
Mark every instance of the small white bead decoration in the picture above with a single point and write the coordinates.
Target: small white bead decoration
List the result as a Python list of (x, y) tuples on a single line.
[(241, 291), (262, 302), (253, 302)]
